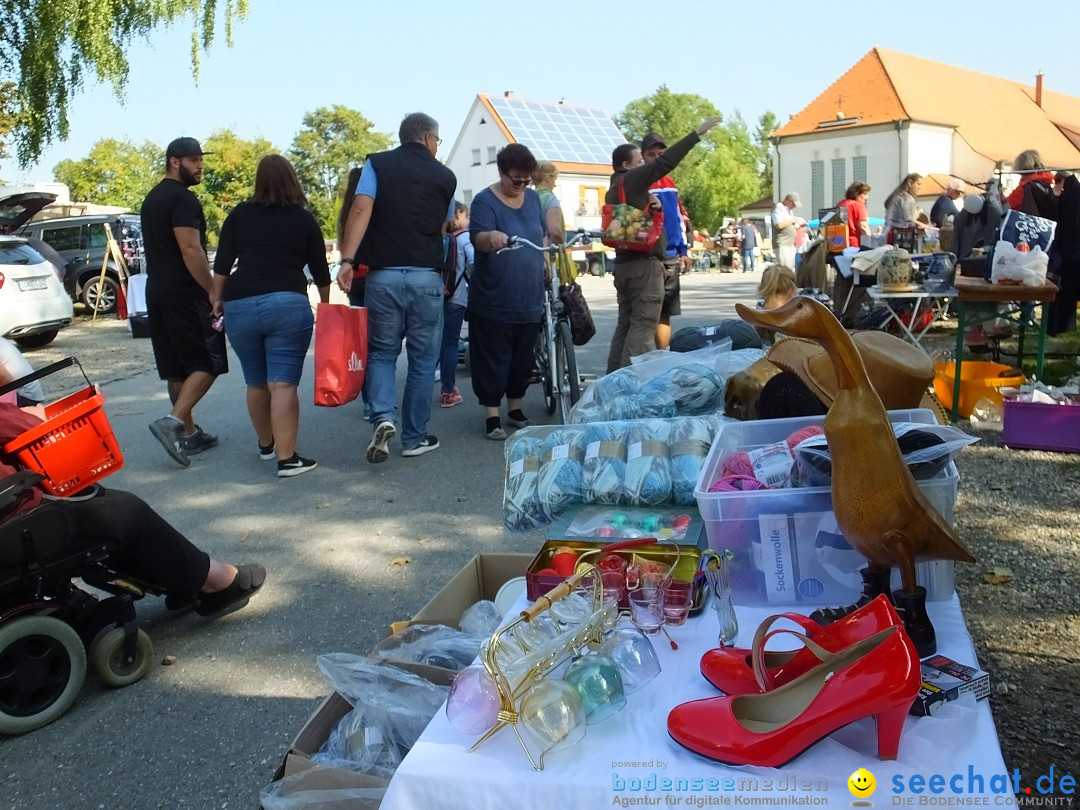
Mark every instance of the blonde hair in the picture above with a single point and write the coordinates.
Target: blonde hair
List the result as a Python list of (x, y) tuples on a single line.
[(1028, 160), (543, 171), (777, 280)]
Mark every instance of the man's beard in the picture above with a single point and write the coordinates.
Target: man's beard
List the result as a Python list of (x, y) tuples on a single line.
[(187, 178)]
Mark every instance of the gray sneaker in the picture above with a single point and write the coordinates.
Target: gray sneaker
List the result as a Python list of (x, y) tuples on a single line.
[(377, 450), (198, 441), (171, 435)]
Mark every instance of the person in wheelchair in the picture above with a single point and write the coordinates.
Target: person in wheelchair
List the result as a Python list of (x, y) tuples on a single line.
[(140, 543)]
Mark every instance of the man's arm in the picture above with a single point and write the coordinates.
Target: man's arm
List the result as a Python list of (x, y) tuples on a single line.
[(638, 180), (355, 229), (191, 249)]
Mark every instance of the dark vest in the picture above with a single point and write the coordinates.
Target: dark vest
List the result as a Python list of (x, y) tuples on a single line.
[(411, 202)]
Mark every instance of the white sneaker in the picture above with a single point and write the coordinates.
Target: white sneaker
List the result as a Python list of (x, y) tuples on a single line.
[(426, 446), (377, 450)]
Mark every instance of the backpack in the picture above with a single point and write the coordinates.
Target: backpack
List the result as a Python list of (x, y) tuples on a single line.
[(450, 275)]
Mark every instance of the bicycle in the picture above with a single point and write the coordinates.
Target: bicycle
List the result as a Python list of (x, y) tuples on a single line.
[(554, 352)]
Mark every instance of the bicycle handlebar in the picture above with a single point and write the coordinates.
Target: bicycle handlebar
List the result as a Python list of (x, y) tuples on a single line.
[(516, 242)]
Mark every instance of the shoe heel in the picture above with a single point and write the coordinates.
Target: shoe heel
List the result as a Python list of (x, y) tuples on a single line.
[(889, 725)]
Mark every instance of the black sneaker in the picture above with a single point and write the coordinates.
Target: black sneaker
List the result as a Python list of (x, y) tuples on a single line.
[(267, 453), (377, 451), (198, 441), (170, 433), (297, 465), (426, 446)]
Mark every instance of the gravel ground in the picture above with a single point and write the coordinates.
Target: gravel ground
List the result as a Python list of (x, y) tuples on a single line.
[(1018, 510)]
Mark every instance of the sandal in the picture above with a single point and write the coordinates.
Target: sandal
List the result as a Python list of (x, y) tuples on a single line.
[(249, 578)]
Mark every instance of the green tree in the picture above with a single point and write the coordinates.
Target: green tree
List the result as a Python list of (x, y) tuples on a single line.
[(332, 140), (767, 125), (228, 175), (48, 48), (718, 176), (114, 173)]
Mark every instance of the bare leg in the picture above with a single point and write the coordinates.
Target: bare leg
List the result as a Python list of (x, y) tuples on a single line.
[(284, 418), (258, 405), (174, 390), (219, 577), (490, 413), (511, 405), (192, 390), (663, 335)]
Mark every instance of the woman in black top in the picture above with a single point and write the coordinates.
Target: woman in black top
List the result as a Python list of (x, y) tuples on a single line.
[(268, 319)]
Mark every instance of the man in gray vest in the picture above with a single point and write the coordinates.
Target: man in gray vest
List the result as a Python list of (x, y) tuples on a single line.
[(403, 202)]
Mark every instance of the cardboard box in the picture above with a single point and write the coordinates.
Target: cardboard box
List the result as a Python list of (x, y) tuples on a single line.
[(945, 680), (317, 730), (481, 578)]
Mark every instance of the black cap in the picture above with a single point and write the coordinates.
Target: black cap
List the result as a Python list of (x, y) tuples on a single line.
[(652, 139), (184, 147)]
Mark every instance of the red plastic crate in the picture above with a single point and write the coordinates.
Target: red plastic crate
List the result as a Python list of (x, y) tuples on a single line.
[(1040, 426), (73, 447)]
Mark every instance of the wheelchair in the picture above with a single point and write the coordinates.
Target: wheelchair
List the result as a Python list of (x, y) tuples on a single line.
[(51, 629)]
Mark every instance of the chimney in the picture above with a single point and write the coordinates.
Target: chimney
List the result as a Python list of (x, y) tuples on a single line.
[(1038, 88)]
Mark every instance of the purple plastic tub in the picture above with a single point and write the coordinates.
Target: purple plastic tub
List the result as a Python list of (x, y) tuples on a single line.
[(1038, 426)]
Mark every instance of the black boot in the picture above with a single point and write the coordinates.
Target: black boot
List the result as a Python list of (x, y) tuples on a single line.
[(876, 581), (912, 610)]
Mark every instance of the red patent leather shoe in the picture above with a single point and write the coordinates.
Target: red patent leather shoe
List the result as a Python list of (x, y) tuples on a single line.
[(878, 676), (730, 669)]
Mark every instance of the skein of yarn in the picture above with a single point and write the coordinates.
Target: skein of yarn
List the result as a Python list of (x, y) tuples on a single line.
[(521, 505), (605, 464), (689, 444), (560, 480), (648, 470)]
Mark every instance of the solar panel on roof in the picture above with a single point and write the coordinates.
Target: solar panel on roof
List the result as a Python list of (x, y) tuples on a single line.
[(560, 132)]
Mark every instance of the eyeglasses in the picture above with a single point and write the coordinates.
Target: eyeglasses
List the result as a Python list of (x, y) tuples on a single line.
[(518, 182), (438, 140)]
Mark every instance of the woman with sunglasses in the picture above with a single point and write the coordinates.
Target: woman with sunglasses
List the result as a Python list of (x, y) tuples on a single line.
[(506, 290)]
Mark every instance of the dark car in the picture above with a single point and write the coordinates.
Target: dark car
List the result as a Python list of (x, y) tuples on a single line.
[(82, 244)]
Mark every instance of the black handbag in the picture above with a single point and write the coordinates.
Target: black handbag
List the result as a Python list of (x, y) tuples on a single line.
[(582, 327)]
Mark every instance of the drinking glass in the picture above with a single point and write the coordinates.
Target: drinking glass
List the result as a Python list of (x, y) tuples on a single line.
[(552, 714), (634, 654), (473, 704), (598, 682), (677, 599), (647, 609)]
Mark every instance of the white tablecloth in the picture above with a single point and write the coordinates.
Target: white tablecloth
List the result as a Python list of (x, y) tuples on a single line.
[(439, 772)]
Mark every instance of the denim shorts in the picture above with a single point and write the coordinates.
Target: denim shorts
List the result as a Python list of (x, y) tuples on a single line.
[(271, 335)]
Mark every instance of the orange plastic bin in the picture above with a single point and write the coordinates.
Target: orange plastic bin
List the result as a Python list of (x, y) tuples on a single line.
[(977, 380)]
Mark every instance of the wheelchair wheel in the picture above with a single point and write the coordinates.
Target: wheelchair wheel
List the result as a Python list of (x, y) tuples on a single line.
[(42, 668), (106, 654)]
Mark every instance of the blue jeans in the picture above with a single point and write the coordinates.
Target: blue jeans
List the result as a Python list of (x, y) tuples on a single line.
[(453, 316), (270, 334), (403, 302), (748, 260)]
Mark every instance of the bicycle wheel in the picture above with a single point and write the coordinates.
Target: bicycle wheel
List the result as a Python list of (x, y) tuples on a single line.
[(569, 384), (543, 368)]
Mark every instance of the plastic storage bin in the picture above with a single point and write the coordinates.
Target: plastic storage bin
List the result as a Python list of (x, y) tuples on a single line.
[(977, 380), (788, 548), (1041, 426)]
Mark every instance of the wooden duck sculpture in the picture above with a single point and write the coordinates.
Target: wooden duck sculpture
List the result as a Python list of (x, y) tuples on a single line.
[(879, 507)]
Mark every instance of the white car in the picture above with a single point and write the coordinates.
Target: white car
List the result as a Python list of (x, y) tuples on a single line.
[(34, 305)]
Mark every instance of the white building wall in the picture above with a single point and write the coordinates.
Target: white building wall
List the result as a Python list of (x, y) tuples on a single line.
[(476, 169), (930, 149)]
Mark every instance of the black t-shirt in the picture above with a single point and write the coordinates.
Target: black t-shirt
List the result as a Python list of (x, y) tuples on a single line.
[(170, 204), (270, 246)]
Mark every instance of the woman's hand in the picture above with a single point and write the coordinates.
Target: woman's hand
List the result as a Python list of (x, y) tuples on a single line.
[(490, 241), (344, 277)]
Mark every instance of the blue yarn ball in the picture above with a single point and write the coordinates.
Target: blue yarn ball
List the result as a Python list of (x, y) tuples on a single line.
[(614, 385), (696, 389), (647, 481), (559, 483), (521, 504), (603, 475), (690, 442)]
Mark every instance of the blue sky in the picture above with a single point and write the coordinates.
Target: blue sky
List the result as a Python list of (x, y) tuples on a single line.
[(389, 58)]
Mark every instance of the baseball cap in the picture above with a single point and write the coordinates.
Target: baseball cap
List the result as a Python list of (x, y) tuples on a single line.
[(184, 147), (652, 139), (794, 197)]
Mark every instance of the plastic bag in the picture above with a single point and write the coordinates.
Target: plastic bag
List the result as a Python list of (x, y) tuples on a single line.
[(659, 385), (1013, 266), (301, 791), (391, 709), (481, 619), (927, 451), (435, 645)]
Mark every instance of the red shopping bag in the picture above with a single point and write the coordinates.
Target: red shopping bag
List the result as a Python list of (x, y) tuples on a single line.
[(340, 353)]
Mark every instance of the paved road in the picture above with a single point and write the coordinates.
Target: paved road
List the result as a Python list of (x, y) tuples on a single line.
[(208, 731)]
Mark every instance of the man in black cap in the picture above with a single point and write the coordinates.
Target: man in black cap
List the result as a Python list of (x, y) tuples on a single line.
[(189, 348)]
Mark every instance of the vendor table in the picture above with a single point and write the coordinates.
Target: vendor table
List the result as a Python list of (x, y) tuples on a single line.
[(1019, 308), (621, 757), (935, 300)]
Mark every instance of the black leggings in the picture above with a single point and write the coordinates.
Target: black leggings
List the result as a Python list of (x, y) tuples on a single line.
[(501, 358), (147, 547)]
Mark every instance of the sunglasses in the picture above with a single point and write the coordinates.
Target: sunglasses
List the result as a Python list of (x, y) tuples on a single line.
[(518, 182)]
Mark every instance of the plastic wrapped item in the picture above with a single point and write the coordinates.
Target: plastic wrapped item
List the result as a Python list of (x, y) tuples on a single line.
[(481, 619), (927, 451), (391, 709), (302, 791), (647, 478), (521, 506), (662, 385), (435, 645), (690, 442), (605, 464), (559, 482)]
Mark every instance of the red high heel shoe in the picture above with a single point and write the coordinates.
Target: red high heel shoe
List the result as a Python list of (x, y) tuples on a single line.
[(878, 676), (730, 669)]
